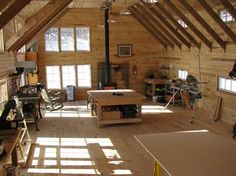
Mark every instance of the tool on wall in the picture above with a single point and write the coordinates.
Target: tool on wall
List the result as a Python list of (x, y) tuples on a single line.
[(135, 71)]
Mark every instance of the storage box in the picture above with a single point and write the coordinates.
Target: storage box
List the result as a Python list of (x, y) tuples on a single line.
[(111, 115)]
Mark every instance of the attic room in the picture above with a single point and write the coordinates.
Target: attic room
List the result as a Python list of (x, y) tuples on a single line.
[(118, 87)]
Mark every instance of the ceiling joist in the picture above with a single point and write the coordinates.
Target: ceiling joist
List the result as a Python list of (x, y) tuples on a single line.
[(170, 27), (38, 35), (204, 23), (150, 15), (189, 23), (218, 20), (176, 23), (35, 24), (141, 21), (12, 11), (4, 4), (152, 25)]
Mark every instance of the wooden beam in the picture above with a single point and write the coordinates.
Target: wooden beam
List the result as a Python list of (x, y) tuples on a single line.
[(174, 21), (152, 25), (142, 22), (170, 27), (218, 20), (12, 11), (155, 20), (31, 41), (36, 23), (204, 24), (4, 4), (229, 7), (189, 23)]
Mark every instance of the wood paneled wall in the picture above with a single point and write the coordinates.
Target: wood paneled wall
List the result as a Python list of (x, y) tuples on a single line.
[(206, 65), (126, 31)]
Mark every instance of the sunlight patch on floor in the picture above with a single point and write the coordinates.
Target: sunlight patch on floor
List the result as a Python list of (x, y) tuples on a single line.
[(154, 109)]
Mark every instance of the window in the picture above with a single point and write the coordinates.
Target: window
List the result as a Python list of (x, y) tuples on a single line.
[(182, 23), (84, 75), (53, 77), (226, 16), (51, 40), (22, 50), (3, 90), (67, 39), (1, 42), (82, 39), (182, 74), (68, 75), (227, 84)]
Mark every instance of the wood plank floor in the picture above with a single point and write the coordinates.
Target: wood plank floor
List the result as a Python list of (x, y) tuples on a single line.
[(70, 143)]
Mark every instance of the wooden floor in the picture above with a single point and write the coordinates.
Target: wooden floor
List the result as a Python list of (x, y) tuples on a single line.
[(70, 143)]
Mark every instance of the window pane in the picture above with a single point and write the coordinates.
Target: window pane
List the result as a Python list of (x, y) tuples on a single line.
[(222, 83), (1, 42), (228, 84), (82, 39), (51, 40), (182, 74), (67, 39), (68, 75), (233, 85), (53, 77), (84, 75)]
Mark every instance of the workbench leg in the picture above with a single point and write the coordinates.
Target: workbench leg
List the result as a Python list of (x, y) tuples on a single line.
[(157, 169)]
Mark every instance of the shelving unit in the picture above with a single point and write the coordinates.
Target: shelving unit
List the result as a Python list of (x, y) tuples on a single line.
[(170, 91), (155, 87)]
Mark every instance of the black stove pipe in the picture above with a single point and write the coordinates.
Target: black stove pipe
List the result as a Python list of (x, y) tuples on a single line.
[(107, 47)]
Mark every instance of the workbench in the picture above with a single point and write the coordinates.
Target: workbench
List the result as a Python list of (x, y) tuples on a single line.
[(104, 98), (195, 153)]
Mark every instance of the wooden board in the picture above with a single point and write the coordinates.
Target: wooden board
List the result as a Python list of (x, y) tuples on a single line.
[(191, 153)]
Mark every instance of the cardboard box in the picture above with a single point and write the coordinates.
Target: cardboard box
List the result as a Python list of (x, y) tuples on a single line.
[(111, 115)]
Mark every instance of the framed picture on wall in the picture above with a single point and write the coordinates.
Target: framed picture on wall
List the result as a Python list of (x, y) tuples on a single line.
[(124, 50)]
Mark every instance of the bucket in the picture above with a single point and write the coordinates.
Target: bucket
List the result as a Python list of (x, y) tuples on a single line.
[(154, 99)]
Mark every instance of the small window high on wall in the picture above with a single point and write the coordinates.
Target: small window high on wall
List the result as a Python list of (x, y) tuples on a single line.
[(2, 49), (84, 75), (226, 16), (182, 74), (52, 40), (82, 39), (68, 75), (227, 85), (53, 77), (67, 39)]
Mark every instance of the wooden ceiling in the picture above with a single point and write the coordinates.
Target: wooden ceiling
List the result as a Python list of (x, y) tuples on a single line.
[(160, 19)]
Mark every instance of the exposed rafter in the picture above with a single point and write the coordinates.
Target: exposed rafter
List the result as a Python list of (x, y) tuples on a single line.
[(189, 23), (150, 15), (12, 11), (218, 20), (152, 25), (143, 22), (170, 27), (229, 7), (174, 21), (31, 41), (4, 4), (203, 23), (35, 24)]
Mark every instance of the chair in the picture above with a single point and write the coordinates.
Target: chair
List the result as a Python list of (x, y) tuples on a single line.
[(53, 100)]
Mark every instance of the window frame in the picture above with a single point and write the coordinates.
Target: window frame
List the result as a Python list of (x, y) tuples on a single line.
[(77, 75), (60, 75), (58, 41), (89, 39), (182, 70), (219, 14), (224, 89)]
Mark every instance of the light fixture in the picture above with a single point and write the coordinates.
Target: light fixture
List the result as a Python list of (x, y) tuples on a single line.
[(149, 3), (125, 11)]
